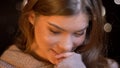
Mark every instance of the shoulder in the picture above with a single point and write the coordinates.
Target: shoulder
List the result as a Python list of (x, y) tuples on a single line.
[(112, 63)]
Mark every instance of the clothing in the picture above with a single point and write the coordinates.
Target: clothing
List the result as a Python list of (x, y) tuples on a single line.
[(15, 58), (113, 63)]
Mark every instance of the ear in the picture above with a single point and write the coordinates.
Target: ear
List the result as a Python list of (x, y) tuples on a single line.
[(31, 17)]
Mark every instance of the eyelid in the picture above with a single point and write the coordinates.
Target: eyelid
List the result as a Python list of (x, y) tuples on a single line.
[(77, 34), (54, 31)]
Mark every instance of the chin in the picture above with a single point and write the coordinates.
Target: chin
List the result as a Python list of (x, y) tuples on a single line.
[(52, 60)]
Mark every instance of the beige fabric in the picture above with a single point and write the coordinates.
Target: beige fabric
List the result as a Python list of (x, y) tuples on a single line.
[(15, 58), (18, 59)]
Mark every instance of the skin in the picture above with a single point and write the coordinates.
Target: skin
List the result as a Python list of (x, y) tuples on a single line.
[(57, 36)]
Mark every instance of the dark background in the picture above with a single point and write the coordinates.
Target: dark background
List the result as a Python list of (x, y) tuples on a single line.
[(8, 22), (113, 17), (9, 17)]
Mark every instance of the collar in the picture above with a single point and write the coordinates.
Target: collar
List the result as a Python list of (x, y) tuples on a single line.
[(16, 57)]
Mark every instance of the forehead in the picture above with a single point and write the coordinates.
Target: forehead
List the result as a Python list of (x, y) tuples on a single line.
[(74, 18)]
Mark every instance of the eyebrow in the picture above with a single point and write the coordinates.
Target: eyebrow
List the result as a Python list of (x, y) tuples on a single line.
[(58, 27), (82, 29)]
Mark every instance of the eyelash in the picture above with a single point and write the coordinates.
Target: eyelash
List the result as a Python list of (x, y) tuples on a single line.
[(79, 34), (55, 32)]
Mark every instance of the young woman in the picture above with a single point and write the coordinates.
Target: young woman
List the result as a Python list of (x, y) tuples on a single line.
[(59, 34)]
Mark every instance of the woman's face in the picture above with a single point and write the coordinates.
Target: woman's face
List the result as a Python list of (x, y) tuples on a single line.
[(58, 34)]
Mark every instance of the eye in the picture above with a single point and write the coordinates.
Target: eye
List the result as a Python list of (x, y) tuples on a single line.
[(78, 34), (56, 32)]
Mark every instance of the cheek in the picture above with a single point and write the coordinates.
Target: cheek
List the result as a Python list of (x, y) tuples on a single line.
[(40, 38), (51, 40), (79, 41), (43, 37)]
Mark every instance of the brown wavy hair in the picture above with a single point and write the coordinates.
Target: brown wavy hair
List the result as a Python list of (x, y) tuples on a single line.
[(93, 48)]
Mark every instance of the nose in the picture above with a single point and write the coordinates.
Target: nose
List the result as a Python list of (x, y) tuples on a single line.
[(66, 44)]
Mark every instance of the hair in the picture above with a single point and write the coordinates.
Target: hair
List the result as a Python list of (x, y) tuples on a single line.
[(93, 47)]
